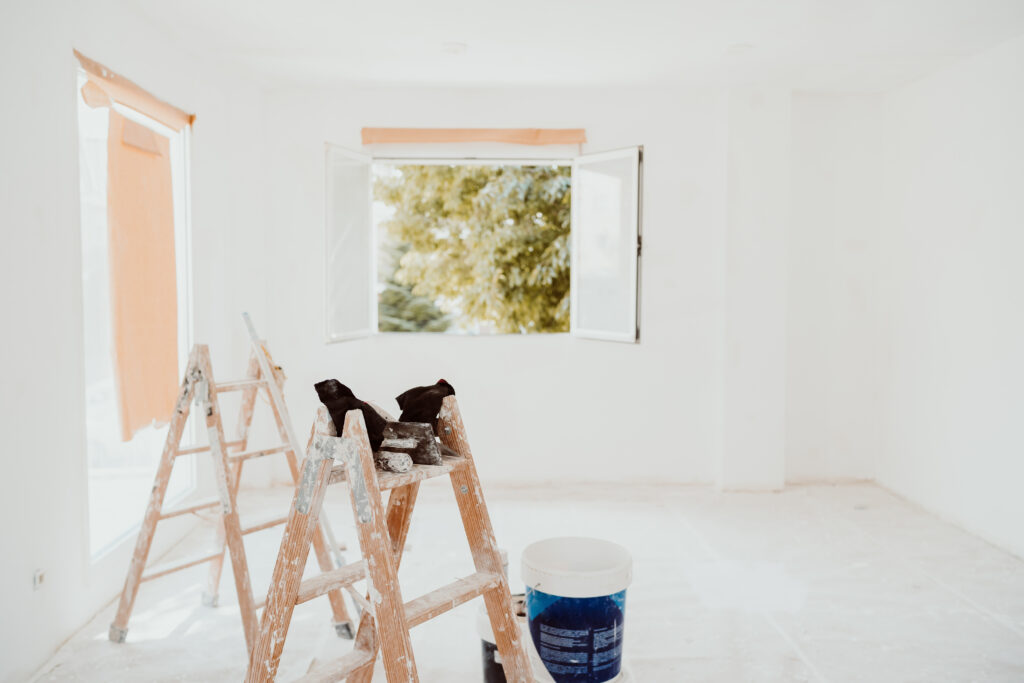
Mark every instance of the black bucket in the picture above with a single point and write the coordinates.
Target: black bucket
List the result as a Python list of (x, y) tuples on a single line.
[(494, 672)]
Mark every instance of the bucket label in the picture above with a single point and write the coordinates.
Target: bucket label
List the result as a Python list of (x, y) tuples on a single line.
[(579, 640)]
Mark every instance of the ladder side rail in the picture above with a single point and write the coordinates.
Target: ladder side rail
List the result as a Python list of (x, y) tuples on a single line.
[(245, 413), (284, 420), (401, 504), (232, 524), (182, 407), (483, 545), (390, 626), (272, 386), (248, 404), (328, 553), (291, 561)]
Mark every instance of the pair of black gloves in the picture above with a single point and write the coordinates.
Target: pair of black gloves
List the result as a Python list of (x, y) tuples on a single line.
[(419, 404)]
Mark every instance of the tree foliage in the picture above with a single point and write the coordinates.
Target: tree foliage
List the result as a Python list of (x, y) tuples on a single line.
[(399, 310), (488, 244)]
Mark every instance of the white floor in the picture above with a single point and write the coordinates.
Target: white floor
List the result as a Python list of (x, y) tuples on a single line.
[(819, 583)]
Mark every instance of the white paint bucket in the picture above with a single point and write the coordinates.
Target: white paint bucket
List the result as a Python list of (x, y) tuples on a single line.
[(575, 604)]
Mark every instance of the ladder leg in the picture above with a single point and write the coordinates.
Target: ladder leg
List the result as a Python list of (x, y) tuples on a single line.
[(232, 525), (291, 561), (390, 623), (400, 506), (245, 413), (325, 554), (248, 405), (119, 627), (212, 592), (342, 620), (484, 546)]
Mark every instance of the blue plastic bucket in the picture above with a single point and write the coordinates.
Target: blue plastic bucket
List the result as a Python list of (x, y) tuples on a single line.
[(576, 606)]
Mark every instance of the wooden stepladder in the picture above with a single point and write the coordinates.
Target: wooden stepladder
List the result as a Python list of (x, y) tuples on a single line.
[(386, 619), (200, 387)]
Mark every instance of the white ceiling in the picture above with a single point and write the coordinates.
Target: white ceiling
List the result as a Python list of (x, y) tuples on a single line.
[(826, 45)]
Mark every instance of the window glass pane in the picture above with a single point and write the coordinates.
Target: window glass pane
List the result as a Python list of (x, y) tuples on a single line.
[(605, 196), (348, 246)]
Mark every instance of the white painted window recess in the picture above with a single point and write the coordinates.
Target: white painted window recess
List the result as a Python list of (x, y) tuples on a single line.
[(605, 243)]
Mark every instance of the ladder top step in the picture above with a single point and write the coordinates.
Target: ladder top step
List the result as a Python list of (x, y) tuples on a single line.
[(393, 480)]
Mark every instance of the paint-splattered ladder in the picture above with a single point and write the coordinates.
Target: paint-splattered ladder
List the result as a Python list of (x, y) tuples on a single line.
[(199, 387), (386, 619)]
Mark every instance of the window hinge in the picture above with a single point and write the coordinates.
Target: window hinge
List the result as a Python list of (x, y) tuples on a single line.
[(639, 244)]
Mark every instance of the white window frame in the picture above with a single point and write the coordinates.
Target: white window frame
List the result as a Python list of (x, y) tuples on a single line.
[(559, 160), (180, 150), (330, 336), (636, 196)]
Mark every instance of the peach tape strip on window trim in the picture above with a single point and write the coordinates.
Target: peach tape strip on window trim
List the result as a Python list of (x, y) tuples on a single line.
[(120, 89), (514, 136)]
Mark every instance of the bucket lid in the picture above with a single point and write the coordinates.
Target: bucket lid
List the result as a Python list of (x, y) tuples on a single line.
[(575, 567)]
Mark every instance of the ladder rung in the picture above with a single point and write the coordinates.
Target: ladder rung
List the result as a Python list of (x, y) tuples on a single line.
[(328, 581), (178, 565), (203, 449), (239, 384), (439, 601), (248, 455), (266, 524), (393, 480), (194, 507), (339, 669)]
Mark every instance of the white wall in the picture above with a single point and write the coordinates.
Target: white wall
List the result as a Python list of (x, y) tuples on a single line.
[(726, 176), (537, 407), (43, 490), (756, 255), (832, 333), (952, 290)]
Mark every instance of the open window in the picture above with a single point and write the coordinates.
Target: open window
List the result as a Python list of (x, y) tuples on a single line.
[(606, 245), (133, 152), (351, 306), (483, 246)]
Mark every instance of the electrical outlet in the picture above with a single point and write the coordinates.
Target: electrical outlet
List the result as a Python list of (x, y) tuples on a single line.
[(38, 578)]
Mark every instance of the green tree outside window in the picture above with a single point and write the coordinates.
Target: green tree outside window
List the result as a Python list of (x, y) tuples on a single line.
[(474, 247)]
